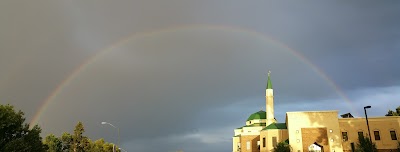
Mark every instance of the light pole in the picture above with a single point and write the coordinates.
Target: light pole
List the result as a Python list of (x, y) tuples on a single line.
[(106, 123), (366, 117)]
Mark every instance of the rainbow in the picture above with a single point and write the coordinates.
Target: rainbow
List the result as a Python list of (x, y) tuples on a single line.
[(75, 73)]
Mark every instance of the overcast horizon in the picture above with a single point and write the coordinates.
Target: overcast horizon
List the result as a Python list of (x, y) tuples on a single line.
[(184, 74)]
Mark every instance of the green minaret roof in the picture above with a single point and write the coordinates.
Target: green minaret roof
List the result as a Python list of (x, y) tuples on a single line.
[(269, 83)]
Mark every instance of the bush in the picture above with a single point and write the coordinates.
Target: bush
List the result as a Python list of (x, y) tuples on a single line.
[(282, 147), (365, 145)]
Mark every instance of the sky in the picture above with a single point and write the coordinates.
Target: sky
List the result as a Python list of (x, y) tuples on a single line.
[(182, 74)]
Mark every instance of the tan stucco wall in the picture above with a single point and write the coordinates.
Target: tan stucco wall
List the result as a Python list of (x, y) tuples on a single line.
[(280, 134), (253, 143), (311, 135), (247, 134), (251, 130), (235, 141), (382, 124), (314, 119)]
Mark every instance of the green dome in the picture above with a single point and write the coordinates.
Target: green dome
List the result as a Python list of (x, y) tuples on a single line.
[(258, 115)]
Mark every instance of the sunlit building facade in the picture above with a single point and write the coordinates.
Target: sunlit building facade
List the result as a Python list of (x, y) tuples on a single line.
[(316, 131)]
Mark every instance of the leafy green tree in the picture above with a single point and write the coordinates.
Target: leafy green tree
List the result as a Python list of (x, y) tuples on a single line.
[(101, 146), (282, 147), (394, 113), (108, 147), (66, 142), (15, 135), (87, 144), (365, 145), (98, 145), (53, 143), (79, 141)]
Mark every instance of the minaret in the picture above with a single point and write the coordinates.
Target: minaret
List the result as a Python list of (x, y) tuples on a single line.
[(269, 101)]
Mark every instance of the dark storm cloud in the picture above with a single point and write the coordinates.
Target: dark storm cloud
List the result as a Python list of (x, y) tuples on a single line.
[(192, 87), (178, 75), (345, 37)]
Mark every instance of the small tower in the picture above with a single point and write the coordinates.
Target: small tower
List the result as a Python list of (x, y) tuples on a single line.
[(269, 101)]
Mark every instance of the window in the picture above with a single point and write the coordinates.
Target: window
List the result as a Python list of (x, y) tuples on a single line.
[(258, 145), (344, 136), (248, 145), (376, 135), (360, 133), (264, 142), (274, 142), (393, 135), (353, 148)]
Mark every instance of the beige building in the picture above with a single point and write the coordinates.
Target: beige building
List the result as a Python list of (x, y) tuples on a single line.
[(317, 131)]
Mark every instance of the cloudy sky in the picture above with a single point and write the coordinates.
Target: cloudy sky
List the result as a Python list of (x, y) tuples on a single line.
[(181, 75)]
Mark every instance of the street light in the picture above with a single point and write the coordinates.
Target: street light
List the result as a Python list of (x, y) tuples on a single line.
[(366, 117), (106, 123)]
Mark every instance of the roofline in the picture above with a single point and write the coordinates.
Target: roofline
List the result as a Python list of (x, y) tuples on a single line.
[(371, 118), (312, 111)]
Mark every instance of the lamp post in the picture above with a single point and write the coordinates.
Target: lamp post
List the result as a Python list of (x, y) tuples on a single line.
[(366, 117), (106, 123)]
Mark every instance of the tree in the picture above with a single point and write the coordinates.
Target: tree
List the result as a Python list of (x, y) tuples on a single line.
[(76, 142), (282, 147), (53, 143), (101, 146), (108, 147), (394, 113), (79, 141), (98, 145), (365, 145), (66, 142), (87, 144), (15, 135)]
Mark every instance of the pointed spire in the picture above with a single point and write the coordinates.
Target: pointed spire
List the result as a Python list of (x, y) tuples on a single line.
[(269, 83)]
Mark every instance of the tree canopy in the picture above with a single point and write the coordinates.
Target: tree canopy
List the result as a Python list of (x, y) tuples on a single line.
[(394, 113), (77, 142), (15, 135), (365, 144), (54, 144), (282, 147)]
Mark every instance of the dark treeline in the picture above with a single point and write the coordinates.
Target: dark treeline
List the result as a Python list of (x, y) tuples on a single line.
[(16, 136)]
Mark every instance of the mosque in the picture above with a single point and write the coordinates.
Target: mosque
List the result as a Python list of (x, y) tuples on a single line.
[(313, 131)]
